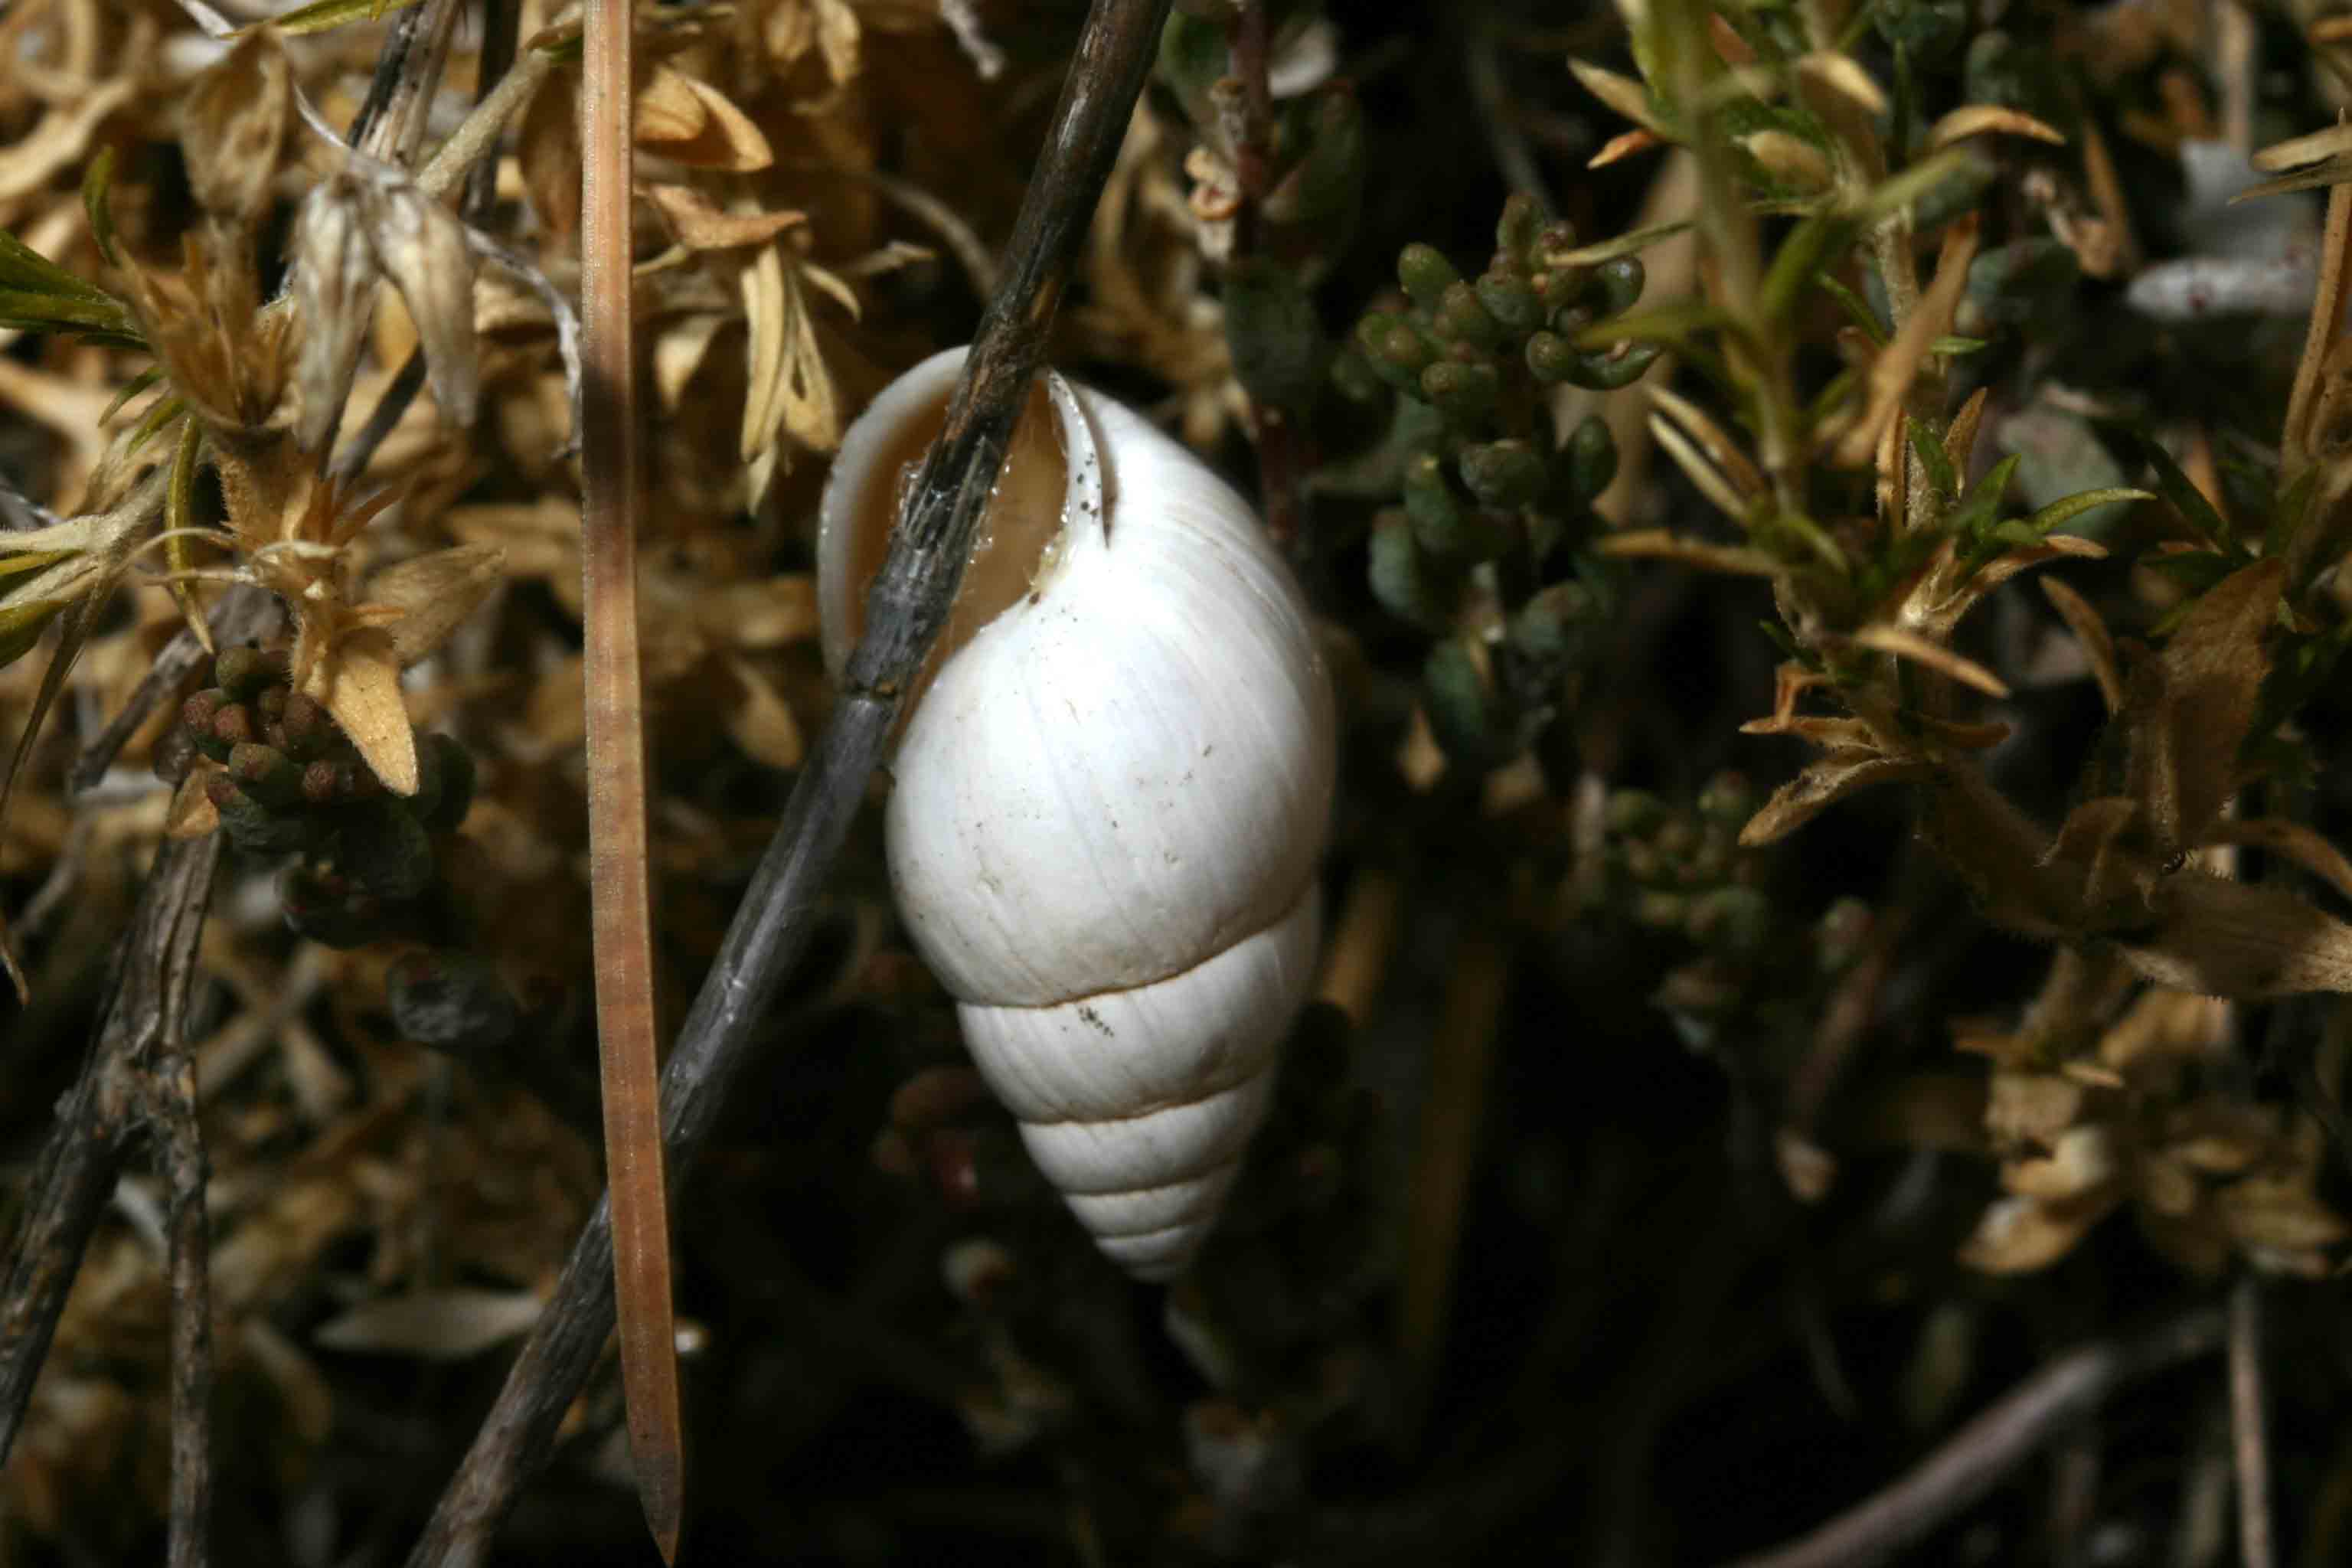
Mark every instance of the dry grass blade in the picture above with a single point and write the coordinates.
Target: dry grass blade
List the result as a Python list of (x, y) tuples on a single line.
[(2098, 645), (1897, 365), (620, 892)]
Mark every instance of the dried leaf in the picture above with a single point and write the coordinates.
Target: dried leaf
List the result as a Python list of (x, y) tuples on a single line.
[(2241, 939), (1621, 93), (434, 593), (700, 224), (359, 681), (2292, 840), (1897, 365), (698, 125), (1910, 644), (1979, 119), (433, 1325), (1791, 160), (1624, 144), (1822, 785), (1737, 558), (2020, 1235), (2334, 141), (234, 126), (2188, 711), (2098, 644), (192, 813), (548, 150), (63, 137), (791, 392), (760, 722)]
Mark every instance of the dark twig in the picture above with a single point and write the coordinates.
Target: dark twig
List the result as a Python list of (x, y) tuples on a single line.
[(180, 1156), (152, 970), (906, 609), (2246, 1427), (246, 614), (1244, 103), (1979, 1454)]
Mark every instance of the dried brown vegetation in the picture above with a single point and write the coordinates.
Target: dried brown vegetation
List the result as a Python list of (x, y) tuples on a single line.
[(1831, 1082)]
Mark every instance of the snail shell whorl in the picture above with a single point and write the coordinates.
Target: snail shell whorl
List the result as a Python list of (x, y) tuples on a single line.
[(1110, 807)]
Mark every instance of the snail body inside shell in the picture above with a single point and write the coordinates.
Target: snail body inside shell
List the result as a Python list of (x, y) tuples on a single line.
[(1111, 799)]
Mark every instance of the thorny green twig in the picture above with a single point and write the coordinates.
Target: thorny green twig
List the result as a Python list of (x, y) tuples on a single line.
[(905, 610)]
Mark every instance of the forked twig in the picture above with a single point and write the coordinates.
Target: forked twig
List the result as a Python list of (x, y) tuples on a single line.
[(906, 609)]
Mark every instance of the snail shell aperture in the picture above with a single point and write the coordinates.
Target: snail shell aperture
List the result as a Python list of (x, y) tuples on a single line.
[(1111, 797)]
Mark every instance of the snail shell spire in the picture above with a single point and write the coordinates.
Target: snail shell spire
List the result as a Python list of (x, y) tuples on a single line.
[(1111, 800)]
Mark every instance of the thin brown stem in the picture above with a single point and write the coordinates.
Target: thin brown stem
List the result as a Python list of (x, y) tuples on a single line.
[(906, 609), (620, 886), (2248, 1439), (171, 1112), (1977, 1457)]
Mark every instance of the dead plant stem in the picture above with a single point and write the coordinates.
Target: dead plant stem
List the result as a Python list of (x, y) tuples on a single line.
[(906, 609), (1976, 1457), (2248, 1438), (620, 872), (147, 991)]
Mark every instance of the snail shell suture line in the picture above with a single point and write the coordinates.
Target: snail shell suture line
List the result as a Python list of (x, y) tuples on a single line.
[(1111, 799)]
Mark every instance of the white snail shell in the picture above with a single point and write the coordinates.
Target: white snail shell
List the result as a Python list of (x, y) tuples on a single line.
[(1110, 802)]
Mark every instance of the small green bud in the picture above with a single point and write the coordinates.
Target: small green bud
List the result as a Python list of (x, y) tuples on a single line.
[(328, 910), (1506, 475), (234, 725), (384, 850), (1635, 813), (270, 703), (196, 716), (1592, 457), (1511, 301), (263, 773), (1443, 519), (253, 827), (1641, 861), (1522, 221), (1559, 289), (1397, 350), (1425, 274), (1406, 580), (242, 672), (1459, 317), (1619, 283), (1555, 627), (1464, 712), (1551, 358), (1620, 364), (451, 999), (322, 782), (1466, 393), (306, 728)]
